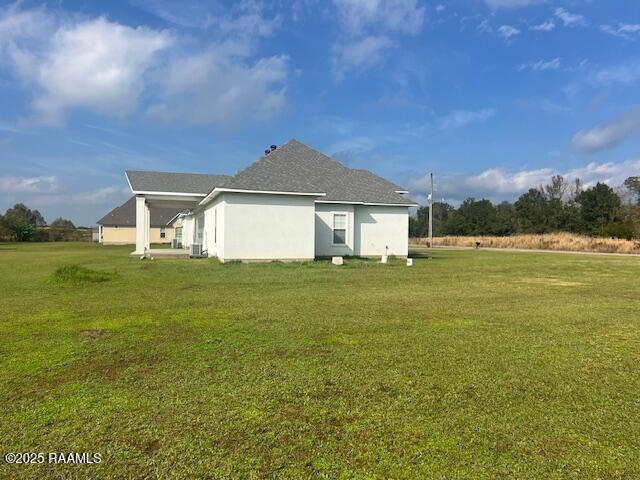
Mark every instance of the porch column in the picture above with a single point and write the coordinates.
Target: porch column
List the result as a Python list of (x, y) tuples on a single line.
[(142, 225), (147, 230)]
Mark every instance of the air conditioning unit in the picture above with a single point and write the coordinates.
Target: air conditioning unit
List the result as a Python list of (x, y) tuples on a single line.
[(196, 250), (174, 243)]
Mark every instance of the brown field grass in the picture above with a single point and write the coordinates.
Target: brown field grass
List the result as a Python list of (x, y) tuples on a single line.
[(551, 241)]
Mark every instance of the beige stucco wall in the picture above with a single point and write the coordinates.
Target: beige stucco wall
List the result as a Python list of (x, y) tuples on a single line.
[(127, 235)]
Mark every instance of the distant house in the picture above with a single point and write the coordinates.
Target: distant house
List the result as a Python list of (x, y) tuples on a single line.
[(293, 203), (118, 227)]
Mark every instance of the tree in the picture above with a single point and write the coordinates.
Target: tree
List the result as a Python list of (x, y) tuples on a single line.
[(442, 214), (505, 219), (474, 217), (419, 225), (633, 185), (531, 212), (556, 189), (600, 206), (63, 224), (22, 221), (574, 190), (419, 222), (4, 231)]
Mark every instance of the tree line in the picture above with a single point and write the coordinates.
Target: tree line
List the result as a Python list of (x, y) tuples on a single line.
[(559, 206), (20, 223)]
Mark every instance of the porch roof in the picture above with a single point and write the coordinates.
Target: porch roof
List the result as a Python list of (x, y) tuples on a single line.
[(193, 184)]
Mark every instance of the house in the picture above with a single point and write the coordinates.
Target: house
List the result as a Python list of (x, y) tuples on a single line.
[(293, 203), (118, 227)]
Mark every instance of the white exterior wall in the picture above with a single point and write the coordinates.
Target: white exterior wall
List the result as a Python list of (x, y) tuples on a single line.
[(261, 226), (215, 239), (377, 226), (187, 231), (324, 230)]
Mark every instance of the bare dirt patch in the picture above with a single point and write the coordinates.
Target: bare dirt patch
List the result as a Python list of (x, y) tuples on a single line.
[(555, 282), (152, 448), (92, 333)]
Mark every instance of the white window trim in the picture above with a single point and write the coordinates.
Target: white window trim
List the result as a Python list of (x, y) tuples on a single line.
[(346, 229)]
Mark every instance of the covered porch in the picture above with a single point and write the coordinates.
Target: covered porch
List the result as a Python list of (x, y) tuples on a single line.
[(144, 202)]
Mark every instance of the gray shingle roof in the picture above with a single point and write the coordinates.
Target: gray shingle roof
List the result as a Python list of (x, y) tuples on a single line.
[(125, 215), (294, 167), (199, 183)]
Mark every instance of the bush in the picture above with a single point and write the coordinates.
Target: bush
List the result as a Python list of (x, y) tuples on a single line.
[(47, 234), (623, 230)]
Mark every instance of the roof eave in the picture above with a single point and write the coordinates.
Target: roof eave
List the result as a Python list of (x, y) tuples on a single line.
[(218, 190)]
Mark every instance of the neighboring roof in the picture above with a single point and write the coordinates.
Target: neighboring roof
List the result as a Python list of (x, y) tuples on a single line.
[(125, 215), (294, 167), (196, 183)]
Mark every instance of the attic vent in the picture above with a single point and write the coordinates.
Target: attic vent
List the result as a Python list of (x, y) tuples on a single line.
[(267, 152), (273, 147)]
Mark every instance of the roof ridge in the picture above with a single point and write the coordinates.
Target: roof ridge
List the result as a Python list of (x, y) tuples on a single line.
[(179, 173)]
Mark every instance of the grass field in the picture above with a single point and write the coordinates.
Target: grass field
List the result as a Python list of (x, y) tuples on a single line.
[(471, 364)]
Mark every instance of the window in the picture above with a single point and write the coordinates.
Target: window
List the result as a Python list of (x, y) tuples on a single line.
[(179, 234), (339, 229), (163, 232)]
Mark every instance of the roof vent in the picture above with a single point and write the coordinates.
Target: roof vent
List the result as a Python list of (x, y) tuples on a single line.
[(267, 152), (273, 147)]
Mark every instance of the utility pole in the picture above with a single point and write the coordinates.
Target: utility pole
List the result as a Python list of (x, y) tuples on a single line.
[(431, 212)]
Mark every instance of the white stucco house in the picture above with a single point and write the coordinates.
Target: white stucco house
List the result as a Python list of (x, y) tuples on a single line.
[(293, 203)]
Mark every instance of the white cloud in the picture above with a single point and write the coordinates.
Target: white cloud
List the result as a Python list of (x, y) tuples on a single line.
[(507, 31), (216, 87), (99, 196), (462, 118), (544, 104), (440, 8), (485, 26), (96, 64), (359, 55), (499, 184), (628, 74), (510, 3), (358, 144), (507, 183), (357, 16), (609, 134), (11, 184), (629, 28), (623, 30), (542, 65), (570, 19), (367, 26), (544, 26), (104, 66)]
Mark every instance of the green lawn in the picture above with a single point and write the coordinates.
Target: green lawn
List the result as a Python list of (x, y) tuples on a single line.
[(470, 364)]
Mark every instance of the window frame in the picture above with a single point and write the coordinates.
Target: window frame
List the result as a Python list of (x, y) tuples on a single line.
[(333, 229), (163, 232)]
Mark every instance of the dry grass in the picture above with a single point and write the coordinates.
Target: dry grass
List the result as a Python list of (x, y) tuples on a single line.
[(551, 241)]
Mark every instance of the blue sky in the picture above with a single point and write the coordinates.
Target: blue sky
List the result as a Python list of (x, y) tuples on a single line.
[(493, 96)]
